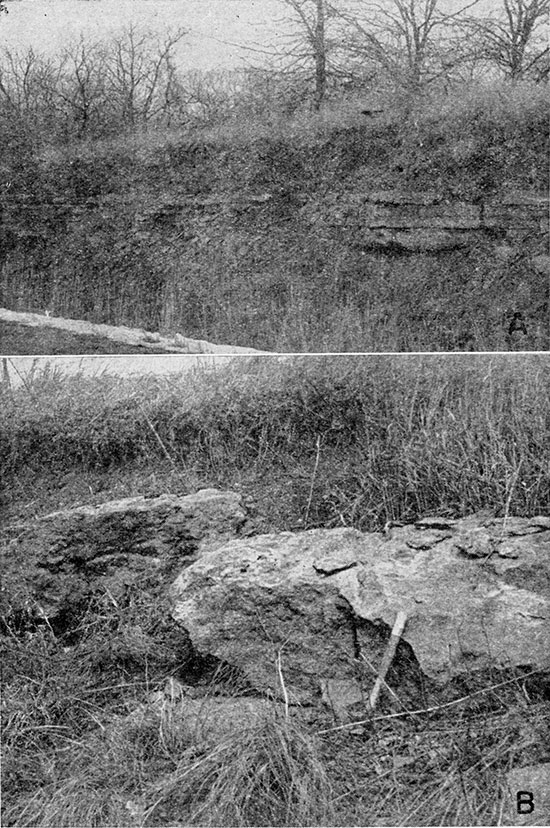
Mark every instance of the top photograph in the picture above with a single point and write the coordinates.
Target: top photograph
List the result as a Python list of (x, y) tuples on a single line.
[(274, 176)]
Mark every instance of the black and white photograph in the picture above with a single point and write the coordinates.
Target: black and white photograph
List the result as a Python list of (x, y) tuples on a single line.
[(274, 413), (271, 591), (297, 176)]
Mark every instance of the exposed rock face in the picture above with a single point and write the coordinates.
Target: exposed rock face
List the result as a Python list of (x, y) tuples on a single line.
[(396, 220), (476, 592), (69, 555), (400, 220)]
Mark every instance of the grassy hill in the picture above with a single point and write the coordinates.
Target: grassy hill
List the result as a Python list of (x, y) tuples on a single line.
[(251, 230)]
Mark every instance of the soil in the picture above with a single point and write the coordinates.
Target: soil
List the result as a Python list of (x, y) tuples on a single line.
[(26, 340)]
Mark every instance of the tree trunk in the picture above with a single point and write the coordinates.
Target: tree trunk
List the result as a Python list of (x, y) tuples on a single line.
[(320, 56)]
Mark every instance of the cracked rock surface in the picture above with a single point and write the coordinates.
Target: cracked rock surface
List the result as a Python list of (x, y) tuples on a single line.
[(71, 554), (476, 592)]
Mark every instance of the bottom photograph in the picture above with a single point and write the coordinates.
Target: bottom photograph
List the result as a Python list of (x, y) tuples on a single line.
[(275, 590)]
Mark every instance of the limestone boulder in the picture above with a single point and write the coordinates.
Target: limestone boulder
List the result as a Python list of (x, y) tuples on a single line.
[(56, 562), (319, 603)]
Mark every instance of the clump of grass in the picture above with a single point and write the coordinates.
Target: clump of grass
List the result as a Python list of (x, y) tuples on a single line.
[(76, 754), (69, 757), (445, 764), (270, 774)]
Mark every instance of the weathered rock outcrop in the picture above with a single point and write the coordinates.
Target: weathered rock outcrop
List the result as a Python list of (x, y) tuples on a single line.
[(476, 592), (396, 219), (428, 222), (59, 560)]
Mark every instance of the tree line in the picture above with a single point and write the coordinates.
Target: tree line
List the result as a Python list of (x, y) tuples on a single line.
[(95, 89), (418, 43)]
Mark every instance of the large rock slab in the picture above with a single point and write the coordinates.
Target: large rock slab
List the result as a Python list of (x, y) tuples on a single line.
[(420, 241), (429, 222), (476, 592), (57, 561)]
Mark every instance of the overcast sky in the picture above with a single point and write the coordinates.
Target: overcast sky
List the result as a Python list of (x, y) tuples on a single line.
[(216, 27)]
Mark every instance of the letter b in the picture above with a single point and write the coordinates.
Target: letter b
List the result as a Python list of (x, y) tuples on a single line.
[(525, 802)]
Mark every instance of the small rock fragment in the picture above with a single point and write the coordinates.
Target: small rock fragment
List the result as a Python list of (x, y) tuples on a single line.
[(435, 523)]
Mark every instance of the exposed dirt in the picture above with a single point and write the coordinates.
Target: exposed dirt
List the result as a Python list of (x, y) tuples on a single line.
[(26, 340)]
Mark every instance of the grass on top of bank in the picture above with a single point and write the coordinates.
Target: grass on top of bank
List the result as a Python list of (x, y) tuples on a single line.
[(326, 441)]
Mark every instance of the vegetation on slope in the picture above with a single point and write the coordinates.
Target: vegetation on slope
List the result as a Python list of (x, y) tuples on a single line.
[(389, 438), (245, 226), (309, 442)]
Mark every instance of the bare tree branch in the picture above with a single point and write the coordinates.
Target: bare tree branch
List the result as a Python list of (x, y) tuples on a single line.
[(515, 40)]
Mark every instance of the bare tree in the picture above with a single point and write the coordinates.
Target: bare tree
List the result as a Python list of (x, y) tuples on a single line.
[(411, 42), (320, 53), (26, 82), (312, 43), (90, 89), (516, 40), (83, 90), (414, 41), (137, 69), (314, 27)]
